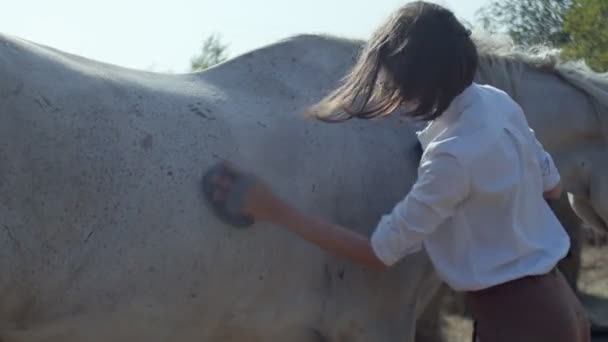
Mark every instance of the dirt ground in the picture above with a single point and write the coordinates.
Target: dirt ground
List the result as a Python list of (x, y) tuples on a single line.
[(593, 285)]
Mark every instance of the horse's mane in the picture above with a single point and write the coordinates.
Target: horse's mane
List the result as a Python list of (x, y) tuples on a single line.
[(502, 63)]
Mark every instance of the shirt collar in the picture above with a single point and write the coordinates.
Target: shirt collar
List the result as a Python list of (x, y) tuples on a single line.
[(449, 116)]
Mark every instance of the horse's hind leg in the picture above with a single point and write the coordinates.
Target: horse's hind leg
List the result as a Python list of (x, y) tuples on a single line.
[(570, 266)]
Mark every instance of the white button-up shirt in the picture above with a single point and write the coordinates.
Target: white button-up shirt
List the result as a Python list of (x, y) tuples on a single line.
[(477, 206)]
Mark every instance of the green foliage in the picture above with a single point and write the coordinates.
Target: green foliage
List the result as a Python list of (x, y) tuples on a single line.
[(578, 27), (528, 22), (587, 25), (212, 52)]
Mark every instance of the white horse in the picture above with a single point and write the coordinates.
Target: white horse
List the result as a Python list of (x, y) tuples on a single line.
[(104, 235)]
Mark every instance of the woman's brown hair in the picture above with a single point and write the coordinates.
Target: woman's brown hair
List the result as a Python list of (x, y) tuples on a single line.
[(422, 56)]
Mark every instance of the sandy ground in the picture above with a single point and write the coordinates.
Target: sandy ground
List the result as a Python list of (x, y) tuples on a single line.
[(593, 284)]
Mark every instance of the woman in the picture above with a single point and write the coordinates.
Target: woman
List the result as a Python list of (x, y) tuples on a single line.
[(478, 206)]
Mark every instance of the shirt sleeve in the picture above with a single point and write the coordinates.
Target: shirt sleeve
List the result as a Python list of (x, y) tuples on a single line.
[(548, 170), (441, 186)]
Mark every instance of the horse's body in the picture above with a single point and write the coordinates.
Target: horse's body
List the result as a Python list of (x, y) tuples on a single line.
[(104, 234)]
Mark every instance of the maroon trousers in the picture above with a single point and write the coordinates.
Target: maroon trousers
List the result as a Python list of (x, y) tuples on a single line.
[(532, 309)]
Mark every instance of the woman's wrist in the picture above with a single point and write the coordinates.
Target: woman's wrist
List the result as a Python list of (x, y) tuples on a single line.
[(285, 214)]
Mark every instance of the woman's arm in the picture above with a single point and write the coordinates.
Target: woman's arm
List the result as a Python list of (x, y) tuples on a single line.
[(333, 238), (261, 204)]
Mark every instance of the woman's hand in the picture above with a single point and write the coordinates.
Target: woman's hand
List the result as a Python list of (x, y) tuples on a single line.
[(259, 201), (262, 203)]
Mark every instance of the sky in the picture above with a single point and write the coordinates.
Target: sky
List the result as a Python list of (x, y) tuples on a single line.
[(163, 35)]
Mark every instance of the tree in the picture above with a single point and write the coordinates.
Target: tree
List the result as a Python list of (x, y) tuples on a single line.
[(578, 27), (528, 22), (587, 25), (212, 52)]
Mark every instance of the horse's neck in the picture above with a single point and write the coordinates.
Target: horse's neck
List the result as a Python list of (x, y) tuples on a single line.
[(562, 114), (559, 111), (595, 86)]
